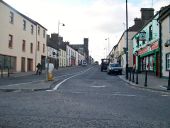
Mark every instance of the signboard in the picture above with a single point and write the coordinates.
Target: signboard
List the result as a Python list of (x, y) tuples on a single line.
[(142, 36), (154, 46)]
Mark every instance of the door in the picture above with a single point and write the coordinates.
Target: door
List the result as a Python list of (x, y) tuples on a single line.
[(23, 64), (29, 64)]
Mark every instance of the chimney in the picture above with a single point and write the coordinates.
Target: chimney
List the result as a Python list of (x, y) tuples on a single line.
[(138, 21), (147, 13)]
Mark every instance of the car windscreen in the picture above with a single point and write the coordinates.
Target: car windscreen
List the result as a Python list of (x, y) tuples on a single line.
[(114, 65)]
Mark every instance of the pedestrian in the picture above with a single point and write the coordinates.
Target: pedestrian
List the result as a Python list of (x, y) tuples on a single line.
[(38, 72)]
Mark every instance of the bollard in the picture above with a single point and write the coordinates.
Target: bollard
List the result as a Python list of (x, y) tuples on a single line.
[(136, 76), (1, 72), (168, 88), (145, 84), (126, 73), (130, 75), (8, 71), (133, 76)]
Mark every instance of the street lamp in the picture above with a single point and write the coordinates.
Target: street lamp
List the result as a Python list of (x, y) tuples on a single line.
[(59, 23), (126, 40), (108, 44)]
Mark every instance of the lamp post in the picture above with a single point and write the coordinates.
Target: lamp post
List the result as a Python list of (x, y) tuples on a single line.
[(126, 40), (59, 23), (108, 39)]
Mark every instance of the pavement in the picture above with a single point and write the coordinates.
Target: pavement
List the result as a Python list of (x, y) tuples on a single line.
[(153, 82)]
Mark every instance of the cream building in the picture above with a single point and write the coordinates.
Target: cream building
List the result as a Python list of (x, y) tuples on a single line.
[(62, 58), (22, 40), (165, 40)]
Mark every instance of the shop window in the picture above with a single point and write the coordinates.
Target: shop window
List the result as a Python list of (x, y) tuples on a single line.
[(168, 61)]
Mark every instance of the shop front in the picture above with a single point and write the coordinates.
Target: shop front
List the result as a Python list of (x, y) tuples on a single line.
[(149, 59)]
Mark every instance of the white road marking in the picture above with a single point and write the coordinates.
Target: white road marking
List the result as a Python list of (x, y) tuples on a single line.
[(128, 95), (103, 86), (57, 86)]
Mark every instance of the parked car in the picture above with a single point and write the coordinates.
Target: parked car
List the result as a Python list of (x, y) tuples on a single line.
[(114, 68)]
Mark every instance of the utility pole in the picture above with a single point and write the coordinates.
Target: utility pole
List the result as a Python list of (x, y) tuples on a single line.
[(126, 39)]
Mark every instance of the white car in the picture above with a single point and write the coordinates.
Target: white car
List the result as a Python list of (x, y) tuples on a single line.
[(114, 68)]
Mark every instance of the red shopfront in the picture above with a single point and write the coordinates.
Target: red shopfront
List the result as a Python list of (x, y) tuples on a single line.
[(149, 59)]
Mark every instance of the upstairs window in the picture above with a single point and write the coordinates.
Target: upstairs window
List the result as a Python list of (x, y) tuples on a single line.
[(24, 24), (31, 48), (150, 33), (32, 29), (23, 45), (43, 33), (169, 24), (10, 44), (11, 18), (38, 30), (38, 47), (168, 61), (43, 48)]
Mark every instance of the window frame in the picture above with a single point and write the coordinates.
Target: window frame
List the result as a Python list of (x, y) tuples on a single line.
[(32, 29), (167, 57), (23, 45), (31, 47), (38, 46), (10, 43), (24, 24), (11, 17)]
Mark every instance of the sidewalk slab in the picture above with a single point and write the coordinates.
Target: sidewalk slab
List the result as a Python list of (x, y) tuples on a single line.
[(30, 86), (153, 82)]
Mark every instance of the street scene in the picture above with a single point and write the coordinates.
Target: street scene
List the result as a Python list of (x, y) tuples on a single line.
[(85, 64), (85, 98)]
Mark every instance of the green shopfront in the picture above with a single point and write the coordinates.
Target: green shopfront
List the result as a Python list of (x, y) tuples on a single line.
[(149, 58)]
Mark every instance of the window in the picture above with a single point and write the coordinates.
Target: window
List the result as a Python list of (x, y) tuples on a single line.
[(10, 44), (38, 30), (150, 33), (43, 48), (23, 45), (11, 18), (44, 33), (169, 24), (24, 24), (31, 48), (168, 61), (137, 41), (38, 47), (32, 29)]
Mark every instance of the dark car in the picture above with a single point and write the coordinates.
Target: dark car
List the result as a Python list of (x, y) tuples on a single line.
[(104, 64), (114, 68)]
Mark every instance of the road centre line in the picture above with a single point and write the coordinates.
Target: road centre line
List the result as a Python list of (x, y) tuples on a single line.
[(57, 86)]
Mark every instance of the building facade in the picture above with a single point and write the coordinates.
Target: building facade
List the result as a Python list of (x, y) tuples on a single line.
[(146, 48), (22, 41), (164, 19)]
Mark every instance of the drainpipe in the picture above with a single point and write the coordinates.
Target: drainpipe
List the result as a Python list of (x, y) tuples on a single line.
[(36, 49), (160, 47)]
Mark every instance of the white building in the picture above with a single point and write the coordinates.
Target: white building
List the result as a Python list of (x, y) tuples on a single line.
[(62, 58), (22, 40)]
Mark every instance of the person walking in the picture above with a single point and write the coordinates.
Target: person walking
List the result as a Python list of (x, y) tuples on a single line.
[(38, 72)]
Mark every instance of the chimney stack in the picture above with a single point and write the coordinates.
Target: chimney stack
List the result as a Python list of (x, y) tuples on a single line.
[(147, 13)]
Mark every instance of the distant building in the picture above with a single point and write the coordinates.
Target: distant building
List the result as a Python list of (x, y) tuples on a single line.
[(82, 48)]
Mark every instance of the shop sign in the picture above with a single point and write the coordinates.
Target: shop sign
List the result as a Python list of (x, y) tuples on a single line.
[(142, 51), (154, 46)]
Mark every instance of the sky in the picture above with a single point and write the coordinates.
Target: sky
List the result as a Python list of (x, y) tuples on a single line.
[(102, 21)]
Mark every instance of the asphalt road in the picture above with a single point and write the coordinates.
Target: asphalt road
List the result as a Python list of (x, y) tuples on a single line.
[(86, 99)]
